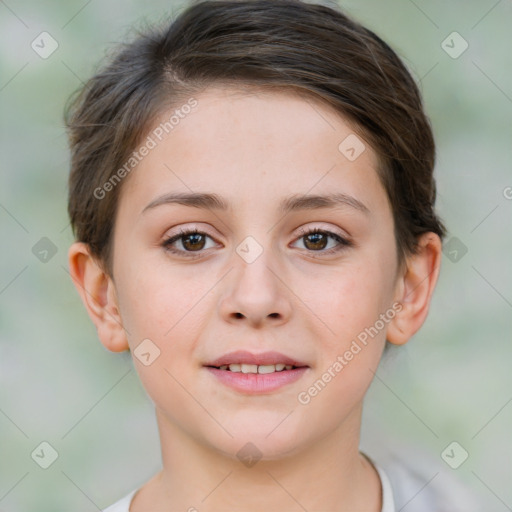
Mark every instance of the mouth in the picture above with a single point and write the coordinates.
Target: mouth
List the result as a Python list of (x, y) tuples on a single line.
[(262, 373), (243, 358), (255, 368)]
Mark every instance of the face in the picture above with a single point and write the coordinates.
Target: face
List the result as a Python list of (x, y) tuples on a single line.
[(302, 282)]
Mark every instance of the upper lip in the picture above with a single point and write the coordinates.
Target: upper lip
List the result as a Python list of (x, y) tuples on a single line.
[(263, 358)]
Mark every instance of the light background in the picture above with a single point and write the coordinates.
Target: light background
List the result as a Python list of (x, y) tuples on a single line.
[(452, 382)]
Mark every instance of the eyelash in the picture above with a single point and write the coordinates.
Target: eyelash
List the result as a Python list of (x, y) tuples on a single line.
[(342, 242)]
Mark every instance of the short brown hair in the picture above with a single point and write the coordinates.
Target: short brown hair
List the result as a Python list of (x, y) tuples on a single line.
[(313, 49)]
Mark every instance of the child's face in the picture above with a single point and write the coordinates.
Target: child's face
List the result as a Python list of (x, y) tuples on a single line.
[(255, 151)]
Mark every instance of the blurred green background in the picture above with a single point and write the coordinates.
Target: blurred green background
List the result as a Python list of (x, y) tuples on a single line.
[(452, 382)]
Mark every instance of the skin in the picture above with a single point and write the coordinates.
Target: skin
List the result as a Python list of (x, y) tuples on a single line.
[(255, 148)]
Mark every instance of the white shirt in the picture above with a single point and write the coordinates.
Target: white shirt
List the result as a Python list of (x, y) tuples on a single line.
[(388, 504)]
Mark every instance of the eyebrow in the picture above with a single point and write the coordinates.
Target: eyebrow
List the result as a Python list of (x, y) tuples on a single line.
[(296, 202)]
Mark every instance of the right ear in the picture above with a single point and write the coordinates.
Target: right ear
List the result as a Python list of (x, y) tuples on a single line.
[(97, 291)]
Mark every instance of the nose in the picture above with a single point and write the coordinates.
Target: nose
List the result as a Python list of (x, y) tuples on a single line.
[(256, 294)]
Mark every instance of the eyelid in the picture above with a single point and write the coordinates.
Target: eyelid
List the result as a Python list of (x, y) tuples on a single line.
[(343, 241), (305, 230), (182, 232)]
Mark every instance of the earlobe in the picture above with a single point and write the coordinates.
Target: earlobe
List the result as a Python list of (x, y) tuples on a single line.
[(415, 289), (97, 291)]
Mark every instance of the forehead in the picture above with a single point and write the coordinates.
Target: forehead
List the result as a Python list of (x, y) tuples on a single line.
[(254, 143), (266, 119)]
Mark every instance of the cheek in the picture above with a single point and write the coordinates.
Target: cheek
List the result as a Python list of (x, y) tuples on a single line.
[(157, 309), (353, 298), (350, 308), (158, 304)]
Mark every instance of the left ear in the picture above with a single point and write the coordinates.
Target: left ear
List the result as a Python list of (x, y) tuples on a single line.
[(415, 288)]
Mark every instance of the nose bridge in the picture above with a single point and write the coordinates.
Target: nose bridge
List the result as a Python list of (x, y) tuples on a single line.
[(255, 289), (254, 262)]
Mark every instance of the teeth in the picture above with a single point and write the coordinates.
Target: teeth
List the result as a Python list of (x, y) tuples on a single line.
[(268, 368), (254, 368)]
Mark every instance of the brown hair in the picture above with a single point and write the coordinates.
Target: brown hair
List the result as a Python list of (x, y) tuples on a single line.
[(283, 44)]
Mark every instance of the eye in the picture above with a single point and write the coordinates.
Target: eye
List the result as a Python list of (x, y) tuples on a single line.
[(317, 239), (191, 240), (194, 241)]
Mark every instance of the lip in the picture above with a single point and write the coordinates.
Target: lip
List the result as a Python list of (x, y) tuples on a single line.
[(264, 358), (256, 383)]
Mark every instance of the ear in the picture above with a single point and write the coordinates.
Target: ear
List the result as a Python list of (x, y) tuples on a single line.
[(414, 289), (97, 292)]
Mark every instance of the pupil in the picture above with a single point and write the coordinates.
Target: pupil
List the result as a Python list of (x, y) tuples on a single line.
[(193, 236), (316, 241)]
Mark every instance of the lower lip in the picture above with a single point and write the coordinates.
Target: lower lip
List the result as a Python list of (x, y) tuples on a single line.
[(254, 383)]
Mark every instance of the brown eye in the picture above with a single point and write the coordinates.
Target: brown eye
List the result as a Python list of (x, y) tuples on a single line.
[(316, 241), (191, 241)]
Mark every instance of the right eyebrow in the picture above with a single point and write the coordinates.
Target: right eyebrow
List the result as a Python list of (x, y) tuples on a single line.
[(196, 200)]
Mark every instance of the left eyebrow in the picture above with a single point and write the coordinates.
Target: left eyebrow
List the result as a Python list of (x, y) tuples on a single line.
[(313, 202), (296, 202)]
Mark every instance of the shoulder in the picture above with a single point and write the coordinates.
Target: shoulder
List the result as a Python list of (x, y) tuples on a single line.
[(424, 485), (123, 505)]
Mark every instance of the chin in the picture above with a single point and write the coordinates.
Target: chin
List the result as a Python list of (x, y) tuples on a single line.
[(258, 442)]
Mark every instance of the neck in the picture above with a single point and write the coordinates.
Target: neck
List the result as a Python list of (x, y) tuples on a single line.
[(329, 475)]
